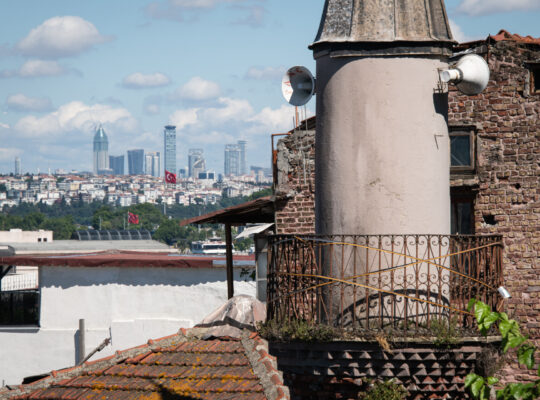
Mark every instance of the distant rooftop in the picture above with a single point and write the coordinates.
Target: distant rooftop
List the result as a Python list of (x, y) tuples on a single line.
[(86, 246)]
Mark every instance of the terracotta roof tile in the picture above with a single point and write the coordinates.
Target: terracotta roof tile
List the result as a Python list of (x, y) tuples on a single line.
[(192, 369), (505, 35)]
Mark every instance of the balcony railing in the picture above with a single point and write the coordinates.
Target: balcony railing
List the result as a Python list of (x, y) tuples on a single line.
[(375, 282)]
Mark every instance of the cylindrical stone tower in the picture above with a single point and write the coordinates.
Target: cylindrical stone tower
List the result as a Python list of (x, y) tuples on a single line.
[(382, 146)]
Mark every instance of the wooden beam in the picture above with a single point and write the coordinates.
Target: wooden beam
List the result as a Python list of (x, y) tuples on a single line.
[(230, 276)]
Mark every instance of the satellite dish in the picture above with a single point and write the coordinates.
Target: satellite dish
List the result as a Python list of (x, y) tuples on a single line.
[(470, 74), (298, 86)]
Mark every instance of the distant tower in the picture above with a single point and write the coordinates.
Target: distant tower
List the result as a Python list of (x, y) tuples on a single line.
[(101, 151), (153, 163), (243, 167), (18, 166), (196, 163), (116, 164), (169, 148), (136, 162), (232, 160)]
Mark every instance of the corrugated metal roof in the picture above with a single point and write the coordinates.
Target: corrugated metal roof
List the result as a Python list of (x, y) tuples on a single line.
[(120, 259), (357, 21)]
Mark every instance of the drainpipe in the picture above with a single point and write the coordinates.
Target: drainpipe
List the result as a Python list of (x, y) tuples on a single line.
[(82, 339)]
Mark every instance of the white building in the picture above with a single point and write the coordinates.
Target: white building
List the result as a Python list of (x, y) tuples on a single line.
[(126, 297)]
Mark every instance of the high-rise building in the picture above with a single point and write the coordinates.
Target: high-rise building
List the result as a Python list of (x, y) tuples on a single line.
[(182, 173), (243, 167), (232, 160), (196, 163), (169, 148), (18, 166), (153, 163), (136, 162), (116, 163), (101, 151)]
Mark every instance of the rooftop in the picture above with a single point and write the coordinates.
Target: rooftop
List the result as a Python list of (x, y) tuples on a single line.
[(383, 21), (182, 366)]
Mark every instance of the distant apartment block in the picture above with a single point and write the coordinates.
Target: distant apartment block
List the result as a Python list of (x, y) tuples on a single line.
[(153, 163), (136, 162), (116, 163)]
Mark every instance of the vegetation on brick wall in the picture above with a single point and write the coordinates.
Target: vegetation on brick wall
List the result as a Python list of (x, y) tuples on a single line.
[(484, 388)]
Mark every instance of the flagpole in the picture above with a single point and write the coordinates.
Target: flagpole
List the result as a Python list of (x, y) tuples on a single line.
[(125, 222)]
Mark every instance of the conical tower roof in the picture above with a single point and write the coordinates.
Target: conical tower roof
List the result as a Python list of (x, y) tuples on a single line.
[(100, 134), (376, 24)]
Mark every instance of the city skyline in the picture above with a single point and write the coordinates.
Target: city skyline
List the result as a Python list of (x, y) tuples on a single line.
[(211, 68)]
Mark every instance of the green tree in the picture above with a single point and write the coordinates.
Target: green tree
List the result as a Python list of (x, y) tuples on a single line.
[(168, 232)]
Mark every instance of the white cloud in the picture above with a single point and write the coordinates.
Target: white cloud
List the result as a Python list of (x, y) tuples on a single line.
[(152, 109), (183, 118), (138, 80), (4, 126), (198, 89), (254, 16), (272, 120), (263, 73), (485, 7), (20, 102), (60, 37), (75, 118), (8, 153), (36, 68), (458, 33)]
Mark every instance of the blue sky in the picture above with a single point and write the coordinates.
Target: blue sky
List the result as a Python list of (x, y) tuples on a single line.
[(211, 67)]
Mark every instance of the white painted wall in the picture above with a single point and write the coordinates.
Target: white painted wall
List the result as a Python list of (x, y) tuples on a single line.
[(131, 305), (20, 236)]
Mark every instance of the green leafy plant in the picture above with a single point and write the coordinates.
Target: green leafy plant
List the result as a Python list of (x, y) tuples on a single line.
[(384, 390), (482, 388), (446, 332)]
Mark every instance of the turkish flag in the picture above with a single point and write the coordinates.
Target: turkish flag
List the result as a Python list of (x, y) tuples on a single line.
[(170, 177), (133, 218)]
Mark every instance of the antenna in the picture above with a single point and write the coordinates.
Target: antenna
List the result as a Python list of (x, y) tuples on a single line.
[(470, 74), (298, 86)]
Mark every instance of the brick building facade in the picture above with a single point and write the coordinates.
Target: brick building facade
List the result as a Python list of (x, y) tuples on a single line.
[(498, 189), (495, 172)]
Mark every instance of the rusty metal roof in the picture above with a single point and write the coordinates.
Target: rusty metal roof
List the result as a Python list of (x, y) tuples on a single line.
[(372, 21), (260, 210)]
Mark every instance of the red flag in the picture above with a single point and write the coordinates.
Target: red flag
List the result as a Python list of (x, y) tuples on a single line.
[(170, 177), (133, 218)]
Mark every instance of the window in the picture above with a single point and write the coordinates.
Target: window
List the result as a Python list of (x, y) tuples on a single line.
[(535, 78), (462, 150), (462, 212)]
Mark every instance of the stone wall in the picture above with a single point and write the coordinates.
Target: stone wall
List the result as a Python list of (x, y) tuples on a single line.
[(507, 177), (339, 370), (295, 182)]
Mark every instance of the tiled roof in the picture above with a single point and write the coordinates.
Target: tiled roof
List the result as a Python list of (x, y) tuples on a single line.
[(177, 367), (505, 35)]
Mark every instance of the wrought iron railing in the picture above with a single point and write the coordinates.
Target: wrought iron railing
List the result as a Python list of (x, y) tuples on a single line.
[(375, 282)]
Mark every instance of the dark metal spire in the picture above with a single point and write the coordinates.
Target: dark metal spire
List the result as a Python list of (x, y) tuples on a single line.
[(387, 22)]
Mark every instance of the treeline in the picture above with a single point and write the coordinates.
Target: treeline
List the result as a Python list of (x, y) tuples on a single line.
[(163, 221)]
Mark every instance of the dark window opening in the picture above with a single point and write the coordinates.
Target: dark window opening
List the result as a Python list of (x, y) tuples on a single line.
[(535, 79), (19, 307), (462, 150), (462, 213)]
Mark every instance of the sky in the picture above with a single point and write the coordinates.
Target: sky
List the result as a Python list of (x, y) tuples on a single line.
[(213, 68)]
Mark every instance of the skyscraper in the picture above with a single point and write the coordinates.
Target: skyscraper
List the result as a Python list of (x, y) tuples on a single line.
[(101, 151), (169, 148), (196, 163), (243, 166), (18, 166), (116, 163), (136, 162), (153, 163), (232, 160)]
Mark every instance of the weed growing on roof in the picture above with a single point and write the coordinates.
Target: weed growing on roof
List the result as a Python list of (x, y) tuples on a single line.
[(446, 332), (296, 330), (384, 390)]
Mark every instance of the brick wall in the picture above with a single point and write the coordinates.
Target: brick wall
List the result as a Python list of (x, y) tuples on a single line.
[(295, 182), (507, 177)]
